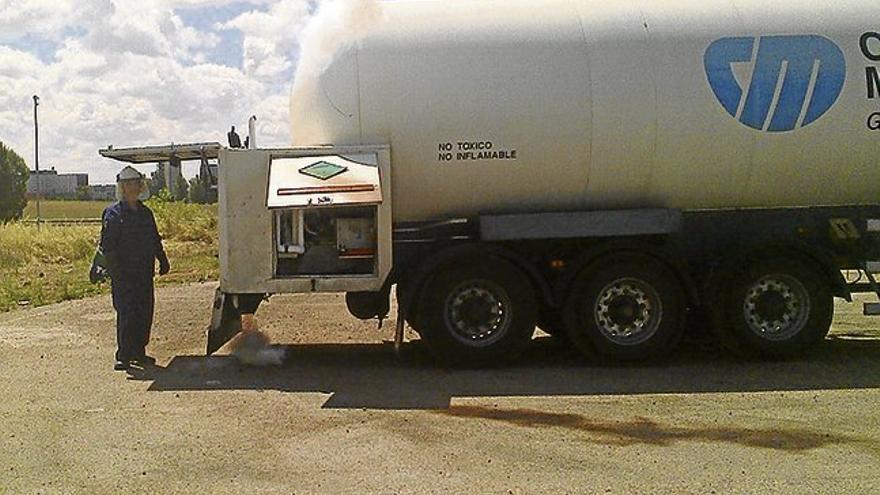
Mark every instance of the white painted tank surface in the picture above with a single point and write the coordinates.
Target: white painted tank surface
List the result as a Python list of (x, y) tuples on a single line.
[(525, 105)]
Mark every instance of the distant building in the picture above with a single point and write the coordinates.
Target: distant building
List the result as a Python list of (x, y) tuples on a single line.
[(51, 184), (173, 175), (102, 192)]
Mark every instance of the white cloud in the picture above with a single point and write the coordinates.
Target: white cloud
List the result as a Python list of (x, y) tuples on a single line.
[(128, 72), (145, 27), (200, 4), (281, 22), (38, 17), (270, 37), (18, 64)]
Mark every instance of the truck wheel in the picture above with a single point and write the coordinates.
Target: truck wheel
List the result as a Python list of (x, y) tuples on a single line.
[(776, 308), (477, 314), (626, 309)]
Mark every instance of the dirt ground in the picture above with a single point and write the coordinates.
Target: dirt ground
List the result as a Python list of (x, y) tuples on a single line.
[(343, 415)]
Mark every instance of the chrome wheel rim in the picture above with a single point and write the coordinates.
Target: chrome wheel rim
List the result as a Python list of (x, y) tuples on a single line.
[(478, 312), (776, 307), (628, 311)]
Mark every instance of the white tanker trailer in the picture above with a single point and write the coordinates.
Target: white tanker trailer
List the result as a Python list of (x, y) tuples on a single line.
[(600, 169), (500, 106)]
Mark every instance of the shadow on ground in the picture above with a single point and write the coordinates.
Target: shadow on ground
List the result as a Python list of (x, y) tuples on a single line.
[(648, 432), (370, 376)]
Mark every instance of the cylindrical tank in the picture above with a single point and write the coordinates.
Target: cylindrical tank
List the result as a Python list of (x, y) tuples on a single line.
[(524, 105)]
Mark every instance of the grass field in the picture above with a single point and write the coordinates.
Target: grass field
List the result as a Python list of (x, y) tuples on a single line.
[(51, 209), (51, 264)]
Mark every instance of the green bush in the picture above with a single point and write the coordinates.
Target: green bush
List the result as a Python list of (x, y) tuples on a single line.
[(13, 184), (185, 221)]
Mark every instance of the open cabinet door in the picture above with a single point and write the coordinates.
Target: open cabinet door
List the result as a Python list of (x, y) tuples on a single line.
[(329, 180), (305, 219)]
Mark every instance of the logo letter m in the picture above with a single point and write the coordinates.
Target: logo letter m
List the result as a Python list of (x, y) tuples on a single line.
[(794, 79)]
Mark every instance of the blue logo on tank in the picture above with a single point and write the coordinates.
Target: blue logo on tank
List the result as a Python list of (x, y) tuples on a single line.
[(809, 72)]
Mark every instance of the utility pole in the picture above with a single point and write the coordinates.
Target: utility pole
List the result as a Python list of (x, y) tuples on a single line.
[(37, 158)]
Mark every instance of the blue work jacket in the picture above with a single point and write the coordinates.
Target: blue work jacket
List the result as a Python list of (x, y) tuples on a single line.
[(130, 241)]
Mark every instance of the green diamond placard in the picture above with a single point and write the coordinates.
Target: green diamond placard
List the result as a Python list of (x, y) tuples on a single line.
[(323, 170)]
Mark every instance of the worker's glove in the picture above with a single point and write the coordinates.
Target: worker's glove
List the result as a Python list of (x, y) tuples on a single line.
[(164, 267)]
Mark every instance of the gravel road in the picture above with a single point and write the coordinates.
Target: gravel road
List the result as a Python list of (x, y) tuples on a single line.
[(343, 415)]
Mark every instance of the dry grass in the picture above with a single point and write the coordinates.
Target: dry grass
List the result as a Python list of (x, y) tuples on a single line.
[(48, 265), (51, 209)]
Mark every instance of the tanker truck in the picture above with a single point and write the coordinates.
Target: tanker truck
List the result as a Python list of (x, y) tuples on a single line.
[(601, 170)]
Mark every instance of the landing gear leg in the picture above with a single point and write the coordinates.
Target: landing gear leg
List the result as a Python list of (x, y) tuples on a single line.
[(226, 317), (398, 330)]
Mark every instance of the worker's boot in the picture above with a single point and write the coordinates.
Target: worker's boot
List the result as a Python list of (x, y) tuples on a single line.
[(144, 359), (120, 365)]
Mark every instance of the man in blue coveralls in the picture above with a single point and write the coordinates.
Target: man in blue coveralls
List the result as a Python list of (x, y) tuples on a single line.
[(131, 245)]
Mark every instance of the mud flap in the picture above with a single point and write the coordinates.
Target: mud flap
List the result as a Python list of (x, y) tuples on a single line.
[(225, 322)]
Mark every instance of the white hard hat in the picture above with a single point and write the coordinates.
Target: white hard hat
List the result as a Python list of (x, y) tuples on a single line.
[(131, 173)]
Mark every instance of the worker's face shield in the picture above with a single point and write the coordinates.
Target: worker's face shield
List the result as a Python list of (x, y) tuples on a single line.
[(132, 189)]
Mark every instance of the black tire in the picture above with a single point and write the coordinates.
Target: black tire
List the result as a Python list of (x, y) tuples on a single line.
[(550, 321), (643, 309), (477, 314), (774, 308)]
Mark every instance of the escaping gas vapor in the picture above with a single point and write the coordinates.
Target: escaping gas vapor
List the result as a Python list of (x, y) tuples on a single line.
[(335, 25), (253, 347)]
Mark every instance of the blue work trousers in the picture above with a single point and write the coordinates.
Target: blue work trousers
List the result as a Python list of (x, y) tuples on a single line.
[(133, 301)]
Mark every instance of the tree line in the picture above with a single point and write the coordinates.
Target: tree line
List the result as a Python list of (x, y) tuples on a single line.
[(14, 175)]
